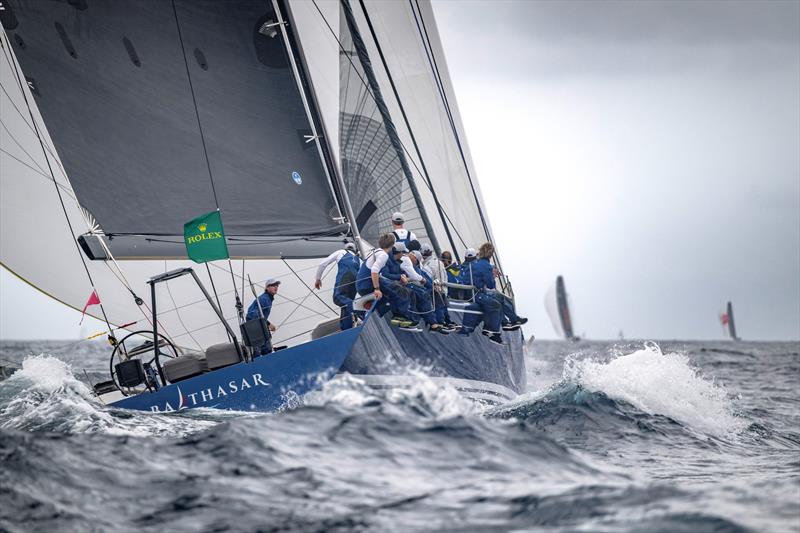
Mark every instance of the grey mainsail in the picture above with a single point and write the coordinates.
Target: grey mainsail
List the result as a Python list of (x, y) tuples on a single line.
[(161, 111)]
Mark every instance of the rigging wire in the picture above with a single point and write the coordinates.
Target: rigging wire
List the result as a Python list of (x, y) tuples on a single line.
[(180, 319), (216, 296), (37, 172), (306, 285), (239, 307)]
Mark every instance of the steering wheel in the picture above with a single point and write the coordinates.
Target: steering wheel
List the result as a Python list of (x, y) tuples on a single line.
[(168, 350)]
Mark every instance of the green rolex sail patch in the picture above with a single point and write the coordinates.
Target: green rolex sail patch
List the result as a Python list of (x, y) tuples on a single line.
[(205, 238)]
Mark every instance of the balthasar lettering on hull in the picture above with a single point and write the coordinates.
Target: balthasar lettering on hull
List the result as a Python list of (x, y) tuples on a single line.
[(193, 399)]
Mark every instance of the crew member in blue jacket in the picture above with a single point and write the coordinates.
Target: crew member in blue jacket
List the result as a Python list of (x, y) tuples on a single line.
[(421, 287), (380, 275), (344, 290), (474, 273), (265, 303), (511, 320)]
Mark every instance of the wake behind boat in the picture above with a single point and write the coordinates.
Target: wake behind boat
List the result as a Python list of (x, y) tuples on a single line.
[(300, 126)]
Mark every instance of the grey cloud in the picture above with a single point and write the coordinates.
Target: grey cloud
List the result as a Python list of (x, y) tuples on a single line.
[(556, 39)]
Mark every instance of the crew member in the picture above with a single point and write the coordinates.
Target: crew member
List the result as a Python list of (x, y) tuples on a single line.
[(474, 274), (400, 233), (262, 306), (380, 275), (435, 269), (464, 274), (451, 269), (344, 290), (422, 289), (511, 320)]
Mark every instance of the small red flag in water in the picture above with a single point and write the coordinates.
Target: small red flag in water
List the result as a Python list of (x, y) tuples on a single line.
[(724, 319), (94, 299)]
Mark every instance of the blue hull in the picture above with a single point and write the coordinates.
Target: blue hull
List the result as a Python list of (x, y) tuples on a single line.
[(373, 350), (265, 384), (382, 350)]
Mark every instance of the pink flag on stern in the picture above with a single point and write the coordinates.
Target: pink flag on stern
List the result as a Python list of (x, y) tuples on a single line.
[(94, 299)]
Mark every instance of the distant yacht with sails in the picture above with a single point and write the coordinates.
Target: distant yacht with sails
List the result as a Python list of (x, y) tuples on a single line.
[(728, 323), (557, 304), (302, 124)]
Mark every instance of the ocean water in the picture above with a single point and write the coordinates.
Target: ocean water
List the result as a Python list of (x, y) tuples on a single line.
[(634, 436)]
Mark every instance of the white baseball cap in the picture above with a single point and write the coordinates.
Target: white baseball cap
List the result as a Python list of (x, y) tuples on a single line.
[(350, 246), (398, 217), (470, 252), (426, 249), (399, 248), (272, 281)]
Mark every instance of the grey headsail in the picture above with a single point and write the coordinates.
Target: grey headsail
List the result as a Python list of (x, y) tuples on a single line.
[(161, 111), (374, 166)]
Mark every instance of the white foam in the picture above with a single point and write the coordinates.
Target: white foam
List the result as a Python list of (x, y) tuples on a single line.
[(46, 396), (48, 374), (663, 384), (438, 400)]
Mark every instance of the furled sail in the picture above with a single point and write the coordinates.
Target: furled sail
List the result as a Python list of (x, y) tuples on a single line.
[(558, 309), (161, 111)]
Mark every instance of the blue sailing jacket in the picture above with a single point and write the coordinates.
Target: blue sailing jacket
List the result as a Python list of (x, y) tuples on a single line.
[(266, 306), (348, 268), (478, 273)]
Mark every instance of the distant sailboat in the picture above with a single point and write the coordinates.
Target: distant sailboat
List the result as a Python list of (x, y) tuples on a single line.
[(556, 301), (728, 324)]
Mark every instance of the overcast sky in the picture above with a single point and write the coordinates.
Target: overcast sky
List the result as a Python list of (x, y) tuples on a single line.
[(647, 151)]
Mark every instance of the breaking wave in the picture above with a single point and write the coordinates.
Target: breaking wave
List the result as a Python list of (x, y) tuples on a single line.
[(647, 387), (45, 395)]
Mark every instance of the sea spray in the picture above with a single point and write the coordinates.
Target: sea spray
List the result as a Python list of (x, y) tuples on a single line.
[(659, 384), (45, 395), (432, 398)]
